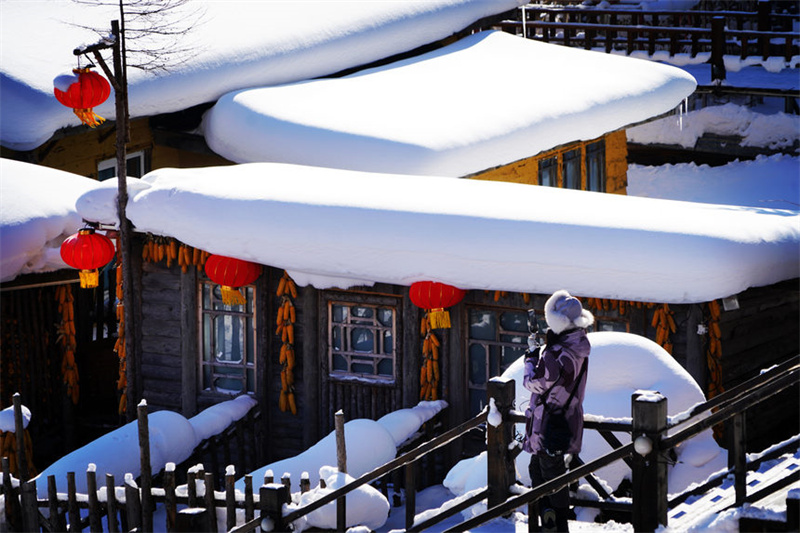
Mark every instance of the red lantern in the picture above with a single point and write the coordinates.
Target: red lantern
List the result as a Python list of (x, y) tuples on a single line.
[(87, 251), (436, 296), (82, 90), (231, 273)]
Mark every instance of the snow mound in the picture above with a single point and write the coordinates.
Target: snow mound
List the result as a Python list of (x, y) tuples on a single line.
[(403, 423), (369, 445), (172, 440), (214, 419), (366, 506)]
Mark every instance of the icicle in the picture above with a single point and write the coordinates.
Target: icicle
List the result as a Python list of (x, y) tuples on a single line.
[(524, 19)]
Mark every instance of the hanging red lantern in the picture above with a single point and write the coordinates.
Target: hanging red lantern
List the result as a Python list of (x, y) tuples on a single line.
[(87, 251), (436, 297), (231, 273), (82, 90)]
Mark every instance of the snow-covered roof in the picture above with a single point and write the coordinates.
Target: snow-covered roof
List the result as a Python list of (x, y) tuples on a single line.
[(487, 100), (332, 227), (37, 212), (236, 44)]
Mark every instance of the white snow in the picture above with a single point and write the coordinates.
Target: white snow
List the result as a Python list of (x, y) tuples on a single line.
[(404, 423), (368, 444), (620, 364), (331, 227), (236, 44), (450, 112), (33, 225), (768, 182), (7, 418)]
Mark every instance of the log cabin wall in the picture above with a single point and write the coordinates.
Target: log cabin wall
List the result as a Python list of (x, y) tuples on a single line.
[(763, 331), (527, 171)]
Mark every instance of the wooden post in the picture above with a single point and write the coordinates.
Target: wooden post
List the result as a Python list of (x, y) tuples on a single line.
[(146, 477), (737, 457), (793, 511), (411, 494), (30, 509), (341, 462), (649, 412), (211, 522), (500, 465), (249, 509), (273, 497), (12, 509), (133, 505), (57, 523), (170, 497), (286, 480), (191, 519), (95, 522), (73, 510), (111, 504), (230, 499), (19, 434), (717, 49)]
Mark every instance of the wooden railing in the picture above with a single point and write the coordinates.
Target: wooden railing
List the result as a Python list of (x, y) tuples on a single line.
[(648, 507), (761, 34)]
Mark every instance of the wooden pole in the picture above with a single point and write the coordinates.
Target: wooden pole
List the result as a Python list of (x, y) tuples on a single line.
[(146, 477), (19, 434), (717, 50), (649, 413), (499, 464), (341, 462), (737, 457)]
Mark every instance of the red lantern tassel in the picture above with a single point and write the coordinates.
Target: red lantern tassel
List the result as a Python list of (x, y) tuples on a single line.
[(89, 279), (89, 117), (439, 318), (231, 296)]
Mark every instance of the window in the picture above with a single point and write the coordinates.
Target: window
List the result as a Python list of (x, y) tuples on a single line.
[(497, 338), (548, 172), (361, 340), (596, 166), (227, 365), (134, 167), (606, 324), (572, 169)]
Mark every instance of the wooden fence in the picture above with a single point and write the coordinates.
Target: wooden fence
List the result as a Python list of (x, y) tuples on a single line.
[(130, 506), (761, 34)]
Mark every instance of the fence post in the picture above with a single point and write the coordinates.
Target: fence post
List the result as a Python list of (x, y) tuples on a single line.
[(191, 519), (649, 413), (19, 435), (500, 466), (146, 476), (273, 497), (30, 507), (717, 49), (737, 457), (341, 462)]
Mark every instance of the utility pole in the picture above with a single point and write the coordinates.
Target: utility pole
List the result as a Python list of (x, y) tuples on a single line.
[(119, 81)]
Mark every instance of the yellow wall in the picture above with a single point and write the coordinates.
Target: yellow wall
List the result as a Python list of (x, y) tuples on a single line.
[(527, 170), (81, 152)]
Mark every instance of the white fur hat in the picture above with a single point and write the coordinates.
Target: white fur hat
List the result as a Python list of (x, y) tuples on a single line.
[(563, 311)]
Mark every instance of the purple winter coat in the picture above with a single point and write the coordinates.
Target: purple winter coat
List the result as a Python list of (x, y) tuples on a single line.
[(560, 360)]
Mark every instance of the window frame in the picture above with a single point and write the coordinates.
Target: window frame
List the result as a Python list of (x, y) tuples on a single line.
[(595, 152), (488, 344), (249, 364), (107, 164), (375, 302)]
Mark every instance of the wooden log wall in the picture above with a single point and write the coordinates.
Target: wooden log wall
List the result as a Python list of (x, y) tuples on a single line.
[(765, 330)]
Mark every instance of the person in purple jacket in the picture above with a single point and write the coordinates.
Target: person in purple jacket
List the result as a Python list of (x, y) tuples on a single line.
[(556, 376)]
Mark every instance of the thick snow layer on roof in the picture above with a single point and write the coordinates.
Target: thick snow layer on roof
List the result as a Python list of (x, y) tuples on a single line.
[(486, 100), (37, 212), (331, 227), (236, 44)]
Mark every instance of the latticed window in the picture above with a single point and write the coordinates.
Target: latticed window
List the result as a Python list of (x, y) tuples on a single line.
[(497, 338), (361, 340), (227, 364), (596, 166)]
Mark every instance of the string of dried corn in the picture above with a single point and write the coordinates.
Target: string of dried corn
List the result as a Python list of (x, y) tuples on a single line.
[(287, 316), (429, 369), (8, 448), (66, 338), (157, 249)]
